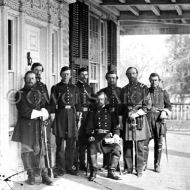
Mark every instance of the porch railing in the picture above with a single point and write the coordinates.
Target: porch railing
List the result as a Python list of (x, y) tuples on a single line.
[(180, 111)]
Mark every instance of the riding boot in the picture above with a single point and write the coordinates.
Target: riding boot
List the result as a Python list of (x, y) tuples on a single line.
[(27, 162), (93, 167), (113, 165), (82, 165), (106, 159), (158, 158), (146, 152), (45, 178)]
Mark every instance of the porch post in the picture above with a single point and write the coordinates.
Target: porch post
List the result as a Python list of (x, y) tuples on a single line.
[(4, 106)]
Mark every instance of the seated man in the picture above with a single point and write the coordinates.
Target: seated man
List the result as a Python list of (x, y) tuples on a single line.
[(103, 136)]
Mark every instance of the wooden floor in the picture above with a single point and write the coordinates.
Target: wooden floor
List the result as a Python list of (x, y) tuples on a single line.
[(175, 174)]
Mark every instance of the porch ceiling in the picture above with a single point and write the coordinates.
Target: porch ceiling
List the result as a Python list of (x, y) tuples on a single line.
[(150, 16)]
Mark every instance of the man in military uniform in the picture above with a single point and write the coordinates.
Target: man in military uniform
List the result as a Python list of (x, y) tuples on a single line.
[(85, 98), (113, 93), (160, 110), (63, 104), (31, 115), (37, 68), (136, 103), (103, 131)]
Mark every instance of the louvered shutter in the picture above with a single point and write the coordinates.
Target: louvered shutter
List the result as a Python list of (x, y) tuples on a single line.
[(78, 18), (84, 30), (74, 32), (112, 45), (75, 69)]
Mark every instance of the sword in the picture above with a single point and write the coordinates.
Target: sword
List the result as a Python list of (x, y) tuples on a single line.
[(164, 128), (79, 120), (43, 125), (77, 144), (134, 126)]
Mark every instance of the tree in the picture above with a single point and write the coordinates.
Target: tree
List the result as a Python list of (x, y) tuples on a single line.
[(178, 65)]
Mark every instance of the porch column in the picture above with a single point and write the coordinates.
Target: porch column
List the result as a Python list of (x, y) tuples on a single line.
[(4, 106)]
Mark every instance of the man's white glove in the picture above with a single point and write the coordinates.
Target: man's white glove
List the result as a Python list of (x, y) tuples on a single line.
[(163, 115), (133, 115), (52, 115), (36, 114), (116, 139), (109, 140), (45, 114), (168, 112)]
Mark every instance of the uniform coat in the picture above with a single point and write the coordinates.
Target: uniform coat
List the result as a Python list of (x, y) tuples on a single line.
[(101, 119), (27, 130), (44, 94), (113, 93), (134, 97), (160, 101), (84, 100), (85, 95), (62, 97)]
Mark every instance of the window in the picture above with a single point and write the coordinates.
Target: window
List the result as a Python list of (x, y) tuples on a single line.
[(93, 72), (10, 45), (94, 48), (103, 43), (54, 52), (94, 40)]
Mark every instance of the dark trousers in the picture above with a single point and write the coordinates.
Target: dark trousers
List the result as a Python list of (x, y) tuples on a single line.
[(82, 146), (158, 141), (106, 159), (113, 150), (65, 153), (128, 155), (82, 140)]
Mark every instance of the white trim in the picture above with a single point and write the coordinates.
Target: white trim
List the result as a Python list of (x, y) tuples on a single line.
[(35, 22)]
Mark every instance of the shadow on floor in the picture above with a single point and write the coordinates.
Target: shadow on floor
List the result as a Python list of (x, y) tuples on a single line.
[(79, 183)]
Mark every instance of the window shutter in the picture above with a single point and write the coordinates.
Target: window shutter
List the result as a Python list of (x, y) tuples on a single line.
[(75, 69), (84, 30), (112, 45), (78, 18), (74, 29)]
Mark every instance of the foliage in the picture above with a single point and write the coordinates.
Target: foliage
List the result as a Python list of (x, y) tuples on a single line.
[(178, 65)]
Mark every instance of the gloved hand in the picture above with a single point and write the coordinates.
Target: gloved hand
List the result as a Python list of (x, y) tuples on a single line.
[(163, 115), (52, 115), (109, 135), (91, 139), (45, 114), (35, 114), (116, 139), (109, 140), (133, 115)]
